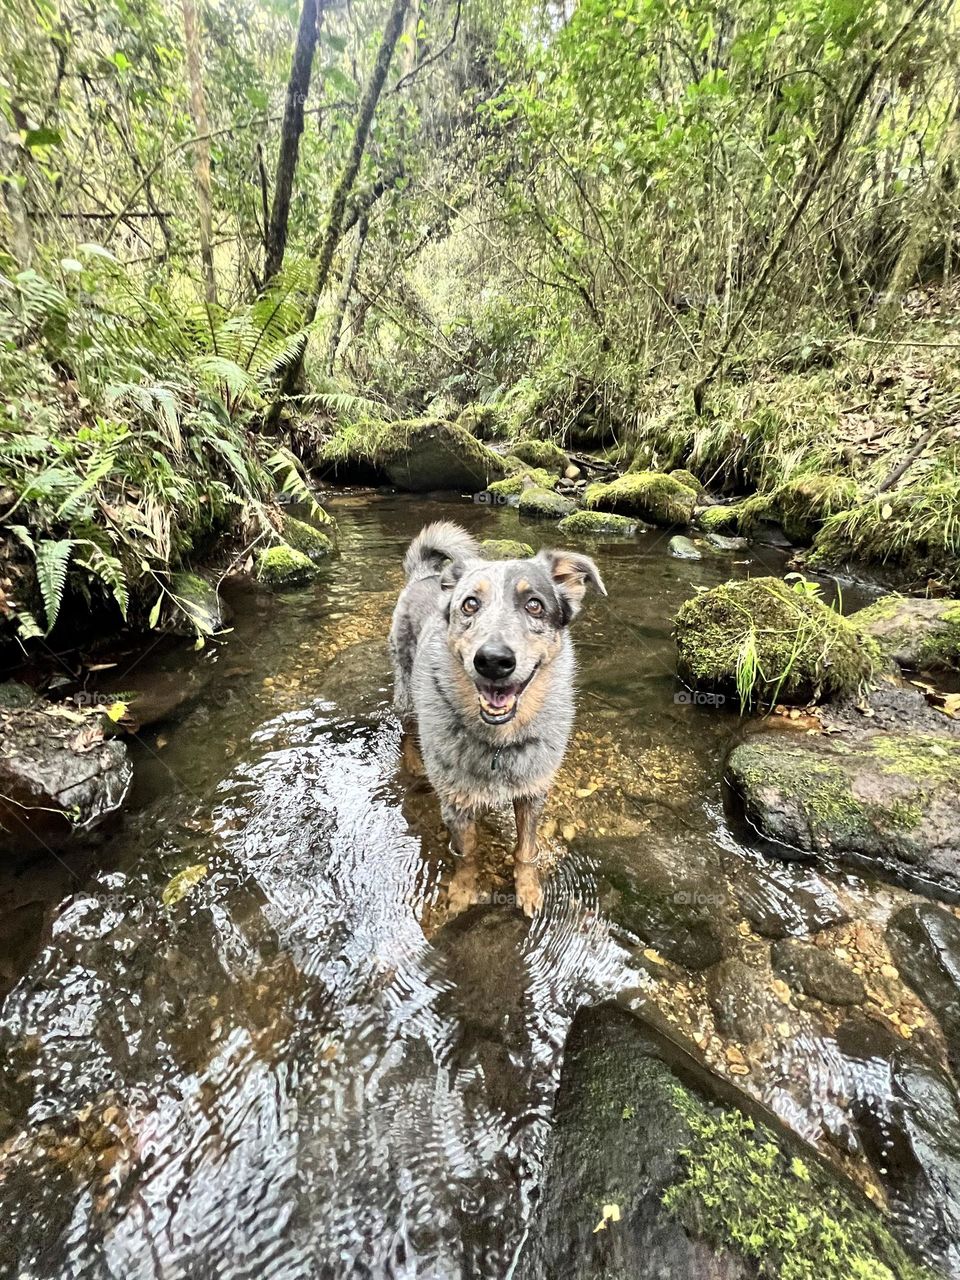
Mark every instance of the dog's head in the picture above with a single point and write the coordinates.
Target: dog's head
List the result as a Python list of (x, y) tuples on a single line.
[(506, 621)]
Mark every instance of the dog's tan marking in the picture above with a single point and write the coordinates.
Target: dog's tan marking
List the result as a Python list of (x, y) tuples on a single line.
[(481, 587), (522, 586), (526, 876), (410, 753)]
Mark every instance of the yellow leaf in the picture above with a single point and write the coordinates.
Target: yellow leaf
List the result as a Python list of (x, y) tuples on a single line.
[(886, 511), (181, 884), (611, 1213), (116, 711)]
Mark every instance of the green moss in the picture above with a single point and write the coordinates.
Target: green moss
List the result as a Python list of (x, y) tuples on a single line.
[(505, 549), (743, 1192), (769, 641), (596, 523), (541, 453), (804, 502), (648, 494), (537, 501), (315, 543), (720, 519), (921, 634), (923, 758), (941, 648), (512, 486), (687, 478), (283, 566), (419, 454)]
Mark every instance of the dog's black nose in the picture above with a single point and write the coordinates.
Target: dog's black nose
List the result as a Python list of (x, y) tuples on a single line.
[(494, 661)]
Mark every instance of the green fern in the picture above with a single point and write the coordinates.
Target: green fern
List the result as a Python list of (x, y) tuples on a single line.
[(52, 563)]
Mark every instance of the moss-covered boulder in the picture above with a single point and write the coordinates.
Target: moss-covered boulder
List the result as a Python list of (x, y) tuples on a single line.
[(513, 485), (284, 566), (648, 1174), (545, 504), (598, 524), (505, 549), (543, 454), (803, 503), (424, 453), (890, 800), (766, 641), (316, 543), (719, 519), (918, 634), (687, 478), (648, 494)]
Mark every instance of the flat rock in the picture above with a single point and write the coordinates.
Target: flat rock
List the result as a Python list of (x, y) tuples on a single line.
[(59, 779), (924, 941), (682, 548), (743, 1005), (545, 504), (916, 634), (883, 799), (727, 542), (816, 972)]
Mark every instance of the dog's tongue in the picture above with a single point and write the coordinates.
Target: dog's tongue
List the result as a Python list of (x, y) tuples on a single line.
[(499, 697)]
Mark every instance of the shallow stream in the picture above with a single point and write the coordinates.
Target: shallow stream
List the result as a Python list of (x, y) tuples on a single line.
[(306, 1066)]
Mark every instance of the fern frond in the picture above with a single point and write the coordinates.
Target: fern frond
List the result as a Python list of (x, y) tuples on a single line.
[(53, 561)]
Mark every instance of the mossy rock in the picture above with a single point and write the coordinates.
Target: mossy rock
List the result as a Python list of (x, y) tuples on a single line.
[(596, 524), (719, 519), (200, 607), (513, 485), (424, 454), (764, 640), (542, 454), (918, 634), (284, 566), (886, 799), (699, 1187), (545, 504), (505, 549), (648, 494), (686, 477), (484, 421), (317, 544), (803, 503)]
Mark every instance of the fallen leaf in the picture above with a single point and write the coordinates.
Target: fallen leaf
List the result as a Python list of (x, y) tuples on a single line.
[(180, 885), (611, 1213)]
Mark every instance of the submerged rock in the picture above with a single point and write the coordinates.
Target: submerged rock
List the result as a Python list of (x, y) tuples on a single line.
[(816, 972), (761, 635), (683, 549), (59, 780), (651, 495), (743, 1005), (424, 454), (541, 454), (505, 549), (284, 566), (726, 542), (596, 524), (924, 941), (647, 1175), (200, 606), (537, 501), (887, 799), (918, 634), (668, 900)]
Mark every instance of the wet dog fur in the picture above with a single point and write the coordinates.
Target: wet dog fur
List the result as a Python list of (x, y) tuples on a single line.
[(484, 670)]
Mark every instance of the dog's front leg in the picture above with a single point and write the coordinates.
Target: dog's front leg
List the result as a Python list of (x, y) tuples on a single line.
[(463, 891), (526, 875)]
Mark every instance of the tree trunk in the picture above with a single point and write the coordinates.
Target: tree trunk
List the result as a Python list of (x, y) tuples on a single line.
[(298, 87), (338, 204), (21, 236), (343, 298), (201, 150)]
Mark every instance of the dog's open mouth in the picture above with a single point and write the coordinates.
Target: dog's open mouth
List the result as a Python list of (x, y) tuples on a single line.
[(499, 702)]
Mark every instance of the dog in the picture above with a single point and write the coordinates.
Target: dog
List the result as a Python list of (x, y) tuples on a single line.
[(484, 668)]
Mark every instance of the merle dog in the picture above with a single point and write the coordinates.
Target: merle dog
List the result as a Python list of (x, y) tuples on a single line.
[(484, 672)]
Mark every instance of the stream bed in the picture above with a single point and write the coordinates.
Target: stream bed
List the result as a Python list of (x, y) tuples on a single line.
[(301, 1064)]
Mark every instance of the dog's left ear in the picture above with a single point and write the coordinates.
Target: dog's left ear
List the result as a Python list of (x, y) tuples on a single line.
[(572, 573), (450, 574)]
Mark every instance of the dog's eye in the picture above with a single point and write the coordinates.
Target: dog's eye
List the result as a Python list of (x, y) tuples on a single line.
[(470, 605), (534, 607)]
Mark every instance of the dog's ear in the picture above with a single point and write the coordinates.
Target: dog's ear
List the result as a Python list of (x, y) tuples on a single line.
[(572, 573), (450, 574)]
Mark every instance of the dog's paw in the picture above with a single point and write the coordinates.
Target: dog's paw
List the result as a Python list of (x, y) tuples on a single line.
[(463, 891), (529, 890)]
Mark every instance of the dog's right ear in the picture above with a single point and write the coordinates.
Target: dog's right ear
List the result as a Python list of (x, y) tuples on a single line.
[(450, 574)]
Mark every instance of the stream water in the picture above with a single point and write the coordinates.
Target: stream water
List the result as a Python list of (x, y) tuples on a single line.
[(306, 1066)]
